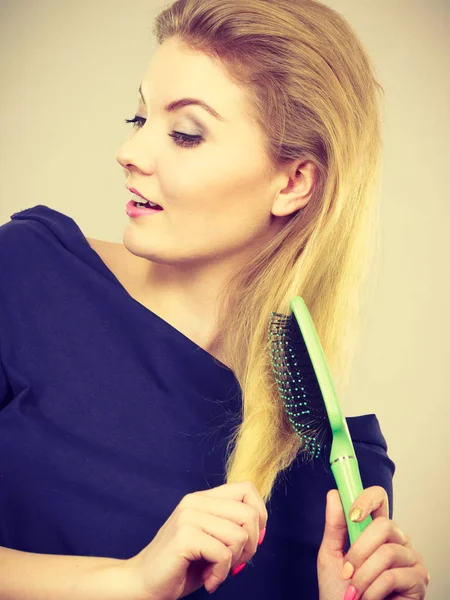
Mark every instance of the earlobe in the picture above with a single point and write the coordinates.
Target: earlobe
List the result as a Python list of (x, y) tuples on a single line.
[(288, 207)]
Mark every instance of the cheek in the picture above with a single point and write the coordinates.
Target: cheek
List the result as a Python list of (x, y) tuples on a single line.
[(215, 188), (215, 203), (182, 186), (226, 218)]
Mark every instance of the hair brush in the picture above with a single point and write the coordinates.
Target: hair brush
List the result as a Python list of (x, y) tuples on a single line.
[(311, 403)]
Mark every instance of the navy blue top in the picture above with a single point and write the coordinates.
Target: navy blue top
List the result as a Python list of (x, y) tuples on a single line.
[(109, 416)]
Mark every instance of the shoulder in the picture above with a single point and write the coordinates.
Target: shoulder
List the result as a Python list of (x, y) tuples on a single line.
[(111, 253), (102, 245), (126, 266)]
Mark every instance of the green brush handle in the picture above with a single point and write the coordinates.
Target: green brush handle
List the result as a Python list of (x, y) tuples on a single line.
[(345, 469), (348, 480)]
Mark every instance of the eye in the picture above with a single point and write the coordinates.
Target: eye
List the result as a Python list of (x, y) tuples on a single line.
[(181, 139)]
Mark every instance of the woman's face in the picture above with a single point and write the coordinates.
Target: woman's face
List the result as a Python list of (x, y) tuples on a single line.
[(216, 195)]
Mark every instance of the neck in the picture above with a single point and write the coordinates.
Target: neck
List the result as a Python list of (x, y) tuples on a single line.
[(187, 298)]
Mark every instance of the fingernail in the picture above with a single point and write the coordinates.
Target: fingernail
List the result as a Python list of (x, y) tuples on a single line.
[(350, 594), (356, 513), (262, 533), (238, 569), (347, 570)]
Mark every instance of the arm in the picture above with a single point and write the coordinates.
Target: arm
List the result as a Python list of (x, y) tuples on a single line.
[(29, 576)]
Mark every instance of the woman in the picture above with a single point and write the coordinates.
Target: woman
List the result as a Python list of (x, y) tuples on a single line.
[(135, 378)]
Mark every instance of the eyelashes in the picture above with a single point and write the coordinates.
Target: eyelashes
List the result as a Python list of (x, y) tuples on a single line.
[(181, 139)]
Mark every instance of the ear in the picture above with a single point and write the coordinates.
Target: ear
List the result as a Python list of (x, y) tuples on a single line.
[(302, 177)]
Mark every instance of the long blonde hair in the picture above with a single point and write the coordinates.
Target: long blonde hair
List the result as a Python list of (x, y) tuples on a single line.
[(313, 92)]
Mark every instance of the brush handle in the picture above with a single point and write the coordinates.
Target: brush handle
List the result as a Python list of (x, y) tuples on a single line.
[(348, 480)]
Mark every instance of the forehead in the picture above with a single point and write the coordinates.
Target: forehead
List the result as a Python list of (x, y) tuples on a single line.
[(175, 71)]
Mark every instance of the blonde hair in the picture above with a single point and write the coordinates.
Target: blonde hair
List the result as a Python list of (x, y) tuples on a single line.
[(313, 92)]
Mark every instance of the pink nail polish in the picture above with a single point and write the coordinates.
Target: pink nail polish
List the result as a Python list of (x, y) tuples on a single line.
[(262, 533), (350, 594), (238, 569)]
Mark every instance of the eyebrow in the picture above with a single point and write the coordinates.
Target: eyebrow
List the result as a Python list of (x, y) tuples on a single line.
[(177, 104)]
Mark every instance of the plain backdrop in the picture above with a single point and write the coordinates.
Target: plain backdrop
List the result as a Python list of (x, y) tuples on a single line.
[(69, 76)]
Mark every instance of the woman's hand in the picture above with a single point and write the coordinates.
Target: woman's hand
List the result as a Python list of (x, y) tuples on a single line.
[(208, 533), (382, 563)]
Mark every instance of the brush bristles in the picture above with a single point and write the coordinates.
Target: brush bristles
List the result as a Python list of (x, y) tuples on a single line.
[(297, 383)]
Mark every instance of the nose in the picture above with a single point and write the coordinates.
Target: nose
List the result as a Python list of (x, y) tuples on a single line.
[(123, 156), (134, 152)]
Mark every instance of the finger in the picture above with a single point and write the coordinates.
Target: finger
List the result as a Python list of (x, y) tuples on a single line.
[(408, 580), (237, 512), (201, 546), (242, 491), (380, 531), (386, 557), (335, 532), (229, 533), (373, 500)]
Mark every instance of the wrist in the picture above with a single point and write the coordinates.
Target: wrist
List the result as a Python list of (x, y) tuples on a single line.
[(128, 582), (140, 580)]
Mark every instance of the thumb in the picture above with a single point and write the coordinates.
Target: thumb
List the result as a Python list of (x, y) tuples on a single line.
[(335, 534)]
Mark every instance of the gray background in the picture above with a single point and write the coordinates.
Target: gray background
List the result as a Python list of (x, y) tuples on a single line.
[(69, 76)]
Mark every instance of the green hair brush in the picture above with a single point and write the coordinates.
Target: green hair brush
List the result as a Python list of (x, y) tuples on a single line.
[(311, 403)]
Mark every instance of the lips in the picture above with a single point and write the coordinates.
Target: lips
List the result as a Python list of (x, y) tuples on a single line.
[(134, 191)]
